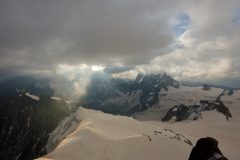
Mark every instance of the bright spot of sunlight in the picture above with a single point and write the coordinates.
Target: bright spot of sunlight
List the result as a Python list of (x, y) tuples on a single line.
[(97, 68)]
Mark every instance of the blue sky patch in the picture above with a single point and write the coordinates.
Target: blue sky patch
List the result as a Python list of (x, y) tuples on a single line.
[(180, 24), (236, 17)]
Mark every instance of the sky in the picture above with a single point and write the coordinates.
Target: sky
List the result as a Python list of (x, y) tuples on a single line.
[(189, 39)]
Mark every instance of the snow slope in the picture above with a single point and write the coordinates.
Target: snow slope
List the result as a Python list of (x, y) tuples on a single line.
[(94, 135), (214, 125)]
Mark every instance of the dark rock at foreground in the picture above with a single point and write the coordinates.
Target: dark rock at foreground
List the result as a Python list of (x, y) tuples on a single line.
[(206, 149)]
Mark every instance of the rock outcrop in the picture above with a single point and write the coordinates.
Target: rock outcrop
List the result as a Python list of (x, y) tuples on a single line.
[(193, 112)]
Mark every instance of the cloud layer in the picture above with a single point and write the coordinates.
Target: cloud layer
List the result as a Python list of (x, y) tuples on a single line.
[(207, 48), (190, 39), (47, 33)]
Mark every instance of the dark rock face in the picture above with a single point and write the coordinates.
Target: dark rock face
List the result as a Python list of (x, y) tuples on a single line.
[(180, 112), (206, 149), (119, 96), (25, 124), (151, 85), (193, 112)]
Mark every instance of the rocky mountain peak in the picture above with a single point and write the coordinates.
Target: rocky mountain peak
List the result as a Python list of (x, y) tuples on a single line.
[(120, 96)]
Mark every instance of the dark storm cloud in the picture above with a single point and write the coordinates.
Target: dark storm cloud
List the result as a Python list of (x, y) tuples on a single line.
[(42, 34)]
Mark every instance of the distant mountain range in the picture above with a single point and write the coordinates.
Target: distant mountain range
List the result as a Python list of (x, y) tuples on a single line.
[(146, 92)]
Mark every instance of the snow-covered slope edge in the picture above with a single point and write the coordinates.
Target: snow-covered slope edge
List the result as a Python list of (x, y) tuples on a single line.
[(94, 135)]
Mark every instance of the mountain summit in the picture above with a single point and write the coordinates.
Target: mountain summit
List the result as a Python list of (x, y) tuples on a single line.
[(120, 96)]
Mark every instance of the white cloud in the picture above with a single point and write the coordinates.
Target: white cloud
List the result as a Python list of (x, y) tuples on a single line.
[(73, 78)]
